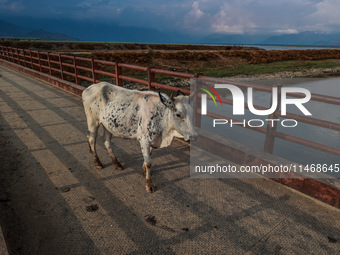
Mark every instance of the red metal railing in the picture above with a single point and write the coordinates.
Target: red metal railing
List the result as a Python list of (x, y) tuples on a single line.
[(80, 69)]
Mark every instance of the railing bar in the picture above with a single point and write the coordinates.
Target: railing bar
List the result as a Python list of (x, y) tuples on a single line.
[(105, 73), (104, 62), (307, 143), (312, 121), (133, 79), (68, 73), (84, 77), (84, 68)]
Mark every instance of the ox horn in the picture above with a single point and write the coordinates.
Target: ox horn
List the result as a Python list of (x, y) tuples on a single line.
[(172, 96), (180, 93)]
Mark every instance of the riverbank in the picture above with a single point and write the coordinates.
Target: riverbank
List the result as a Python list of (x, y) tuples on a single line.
[(306, 73), (283, 78)]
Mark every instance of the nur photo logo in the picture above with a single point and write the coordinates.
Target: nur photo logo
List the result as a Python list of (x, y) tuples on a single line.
[(279, 99), (204, 97)]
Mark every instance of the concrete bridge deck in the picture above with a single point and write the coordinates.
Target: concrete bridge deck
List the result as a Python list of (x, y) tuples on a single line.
[(54, 201)]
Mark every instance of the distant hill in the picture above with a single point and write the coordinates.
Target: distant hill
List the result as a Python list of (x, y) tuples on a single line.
[(304, 38), (44, 35), (11, 30)]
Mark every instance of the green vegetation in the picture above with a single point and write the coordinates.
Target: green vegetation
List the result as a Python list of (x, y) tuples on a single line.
[(269, 68)]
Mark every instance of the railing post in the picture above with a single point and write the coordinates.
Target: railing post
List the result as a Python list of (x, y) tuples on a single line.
[(94, 68), (49, 63), (2, 52), (31, 59), (151, 78), (12, 54), (15, 55), (272, 125), (61, 67), (40, 69), (197, 103), (119, 72), (22, 61), (18, 57), (7, 54), (23, 51), (76, 70)]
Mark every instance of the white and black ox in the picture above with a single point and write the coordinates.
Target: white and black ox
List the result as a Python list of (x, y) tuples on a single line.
[(152, 118)]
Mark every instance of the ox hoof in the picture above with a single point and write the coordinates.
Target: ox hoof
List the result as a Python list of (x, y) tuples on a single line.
[(149, 189), (148, 186), (100, 166), (118, 165)]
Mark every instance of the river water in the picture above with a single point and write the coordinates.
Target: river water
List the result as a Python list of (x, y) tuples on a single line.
[(282, 148), (280, 47)]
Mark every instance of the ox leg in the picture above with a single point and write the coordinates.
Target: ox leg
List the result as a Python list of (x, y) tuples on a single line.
[(107, 142), (146, 150), (92, 138)]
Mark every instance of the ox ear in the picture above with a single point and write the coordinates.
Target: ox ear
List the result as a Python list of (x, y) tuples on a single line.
[(166, 101)]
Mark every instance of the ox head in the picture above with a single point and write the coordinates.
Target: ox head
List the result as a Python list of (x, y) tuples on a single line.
[(181, 115)]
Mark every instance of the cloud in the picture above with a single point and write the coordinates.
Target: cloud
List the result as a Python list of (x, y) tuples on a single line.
[(195, 20), (247, 16), (196, 12), (190, 16), (232, 19), (12, 6), (326, 16), (287, 31)]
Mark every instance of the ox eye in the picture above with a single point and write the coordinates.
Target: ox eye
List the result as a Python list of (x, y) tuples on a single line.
[(178, 115)]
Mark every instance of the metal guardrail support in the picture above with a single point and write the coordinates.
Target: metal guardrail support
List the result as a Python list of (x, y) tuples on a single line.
[(49, 63), (61, 67), (272, 126), (76, 72), (31, 59), (94, 67), (151, 78), (197, 104), (119, 72), (39, 59)]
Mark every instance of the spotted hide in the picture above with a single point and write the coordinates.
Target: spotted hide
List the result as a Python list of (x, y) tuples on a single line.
[(151, 118)]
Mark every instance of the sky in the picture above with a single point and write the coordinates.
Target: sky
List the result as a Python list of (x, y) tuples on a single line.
[(198, 17)]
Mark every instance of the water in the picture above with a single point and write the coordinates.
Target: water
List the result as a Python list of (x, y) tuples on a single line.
[(282, 148), (280, 47)]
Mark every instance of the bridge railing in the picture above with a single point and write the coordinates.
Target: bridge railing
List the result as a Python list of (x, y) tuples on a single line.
[(80, 69)]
